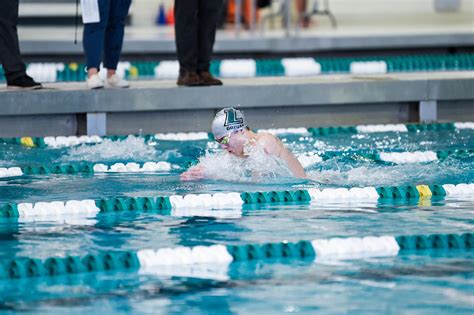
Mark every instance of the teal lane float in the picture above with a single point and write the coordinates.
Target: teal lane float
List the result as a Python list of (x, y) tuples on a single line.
[(61, 141), (69, 141), (88, 168), (271, 67), (399, 157), (317, 250), (162, 166), (232, 200)]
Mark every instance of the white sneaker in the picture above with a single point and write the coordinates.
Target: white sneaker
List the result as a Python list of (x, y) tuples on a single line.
[(95, 82), (115, 82)]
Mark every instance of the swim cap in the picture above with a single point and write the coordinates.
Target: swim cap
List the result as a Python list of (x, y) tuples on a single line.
[(226, 121)]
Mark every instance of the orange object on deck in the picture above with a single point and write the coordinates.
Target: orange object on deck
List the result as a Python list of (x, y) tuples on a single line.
[(246, 12), (170, 16)]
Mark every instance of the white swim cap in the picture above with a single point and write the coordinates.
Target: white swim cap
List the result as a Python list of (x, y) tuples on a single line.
[(226, 121)]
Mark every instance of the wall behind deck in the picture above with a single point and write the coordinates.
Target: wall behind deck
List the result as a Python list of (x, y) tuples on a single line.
[(403, 13)]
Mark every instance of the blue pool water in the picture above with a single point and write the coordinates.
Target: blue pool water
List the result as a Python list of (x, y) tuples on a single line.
[(425, 282)]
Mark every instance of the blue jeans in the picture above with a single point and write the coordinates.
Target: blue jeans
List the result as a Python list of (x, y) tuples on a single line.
[(107, 35)]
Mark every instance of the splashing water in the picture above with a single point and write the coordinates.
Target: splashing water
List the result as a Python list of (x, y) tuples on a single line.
[(170, 155), (133, 148), (5, 163), (383, 175), (321, 145), (258, 166)]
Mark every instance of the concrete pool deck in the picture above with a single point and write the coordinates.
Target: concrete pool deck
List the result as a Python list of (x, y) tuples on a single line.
[(269, 102)]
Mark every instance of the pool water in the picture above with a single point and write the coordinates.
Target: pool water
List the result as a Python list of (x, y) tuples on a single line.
[(422, 282)]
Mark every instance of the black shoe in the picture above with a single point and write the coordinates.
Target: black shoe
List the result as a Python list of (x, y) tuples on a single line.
[(24, 83), (188, 78)]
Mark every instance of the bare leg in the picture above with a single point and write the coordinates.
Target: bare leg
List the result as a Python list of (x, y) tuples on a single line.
[(110, 72), (92, 71)]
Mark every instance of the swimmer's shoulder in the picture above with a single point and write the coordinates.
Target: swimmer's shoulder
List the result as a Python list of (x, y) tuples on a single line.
[(266, 138), (269, 142)]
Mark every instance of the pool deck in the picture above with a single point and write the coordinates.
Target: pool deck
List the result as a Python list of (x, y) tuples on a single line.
[(58, 42), (270, 102)]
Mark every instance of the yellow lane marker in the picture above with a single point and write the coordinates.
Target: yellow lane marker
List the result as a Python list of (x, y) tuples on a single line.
[(424, 190), (27, 142), (73, 66), (133, 72)]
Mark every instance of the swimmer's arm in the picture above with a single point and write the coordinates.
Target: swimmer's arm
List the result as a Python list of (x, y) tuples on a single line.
[(295, 166), (195, 172), (274, 146)]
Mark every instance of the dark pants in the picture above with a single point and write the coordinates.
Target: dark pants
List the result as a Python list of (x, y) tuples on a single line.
[(107, 35), (10, 57), (195, 28)]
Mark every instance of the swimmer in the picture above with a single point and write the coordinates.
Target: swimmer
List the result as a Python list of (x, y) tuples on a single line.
[(233, 134)]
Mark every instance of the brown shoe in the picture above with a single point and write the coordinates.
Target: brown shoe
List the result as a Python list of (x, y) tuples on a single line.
[(208, 79), (187, 78)]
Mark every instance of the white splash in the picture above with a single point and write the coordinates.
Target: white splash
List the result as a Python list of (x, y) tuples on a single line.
[(258, 166), (132, 147), (323, 146), (385, 175), (170, 155)]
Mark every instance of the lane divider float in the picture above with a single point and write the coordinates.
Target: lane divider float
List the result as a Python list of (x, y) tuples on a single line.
[(62, 142), (318, 250), (183, 136), (238, 68), (297, 67), (368, 67), (87, 168), (10, 172), (307, 160), (407, 157), (323, 131), (284, 131), (169, 69), (233, 200), (133, 167)]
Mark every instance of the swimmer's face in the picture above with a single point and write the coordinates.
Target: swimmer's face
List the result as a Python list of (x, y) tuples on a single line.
[(234, 143)]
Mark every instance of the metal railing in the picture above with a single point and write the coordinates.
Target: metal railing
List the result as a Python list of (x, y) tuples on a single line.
[(283, 10)]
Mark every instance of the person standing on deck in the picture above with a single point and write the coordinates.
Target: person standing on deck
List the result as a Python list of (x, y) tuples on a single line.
[(195, 28), (105, 37), (10, 57)]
